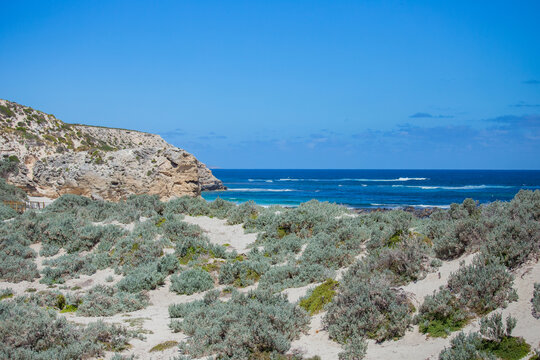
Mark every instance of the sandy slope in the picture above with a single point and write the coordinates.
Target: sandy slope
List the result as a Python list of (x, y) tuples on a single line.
[(154, 319), (220, 233)]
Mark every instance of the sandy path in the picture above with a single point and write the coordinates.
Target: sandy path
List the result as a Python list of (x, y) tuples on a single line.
[(220, 233)]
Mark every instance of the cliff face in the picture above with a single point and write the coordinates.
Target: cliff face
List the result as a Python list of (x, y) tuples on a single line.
[(58, 158)]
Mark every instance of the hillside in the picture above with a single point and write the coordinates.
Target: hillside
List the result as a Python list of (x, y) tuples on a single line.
[(56, 158)]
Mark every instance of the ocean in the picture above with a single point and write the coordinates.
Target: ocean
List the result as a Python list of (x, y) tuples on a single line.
[(372, 188)]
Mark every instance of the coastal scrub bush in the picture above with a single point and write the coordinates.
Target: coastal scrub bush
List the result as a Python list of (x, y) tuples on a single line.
[(465, 347), (16, 259), (316, 299), (241, 213), (6, 212), (463, 235), (10, 192), (497, 342), (367, 308), (6, 293), (246, 324), (187, 205), (105, 301), (242, 273), (57, 270), (536, 301), (28, 331), (405, 262), (483, 286), (191, 281), (514, 242), (354, 349), (144, 277), (286, 276), (441, 314)]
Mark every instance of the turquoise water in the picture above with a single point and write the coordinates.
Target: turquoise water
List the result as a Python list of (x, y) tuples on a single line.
[(372, 188)]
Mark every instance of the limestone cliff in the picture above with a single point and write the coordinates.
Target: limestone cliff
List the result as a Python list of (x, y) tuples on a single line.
[(56, 158)]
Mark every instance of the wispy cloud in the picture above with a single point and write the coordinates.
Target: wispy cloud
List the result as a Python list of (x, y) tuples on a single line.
[(531, 82), (420, 115), (173, 133), (523, 104)]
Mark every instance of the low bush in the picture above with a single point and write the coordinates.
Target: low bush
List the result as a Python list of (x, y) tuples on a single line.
[(191, 281), (10, 192), (144, 277), (483, 286), (288, 276), (354, 349), (16, 257), (316, 299), (367, 308), (242, 273), (6, 212), (31, 332), (441, 314), (57, 270), (105, 301), (246, 324), (6, 293), (465, 347), (494, 341), (536, 301)]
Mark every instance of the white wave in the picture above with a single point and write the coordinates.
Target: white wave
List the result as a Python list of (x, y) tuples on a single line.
[(465, 187), (260, 180), (260, 190), (350, 179)]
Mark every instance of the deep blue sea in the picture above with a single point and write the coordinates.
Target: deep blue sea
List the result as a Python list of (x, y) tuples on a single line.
[(372, 188)]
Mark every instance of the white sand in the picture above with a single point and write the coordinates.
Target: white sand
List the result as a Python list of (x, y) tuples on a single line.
[(220, 233), (155, 318)]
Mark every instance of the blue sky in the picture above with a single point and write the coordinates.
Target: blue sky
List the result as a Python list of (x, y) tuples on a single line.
[(290, 84)]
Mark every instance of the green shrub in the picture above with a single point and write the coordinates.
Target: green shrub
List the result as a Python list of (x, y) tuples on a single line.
[(354, 349), (483, 286), (164, 346), (144, 277), (536, 301), (106, 301), (246, 324), (242, 273), (288, 276), (465, 347), (9, 192), (367, 308), (441, 314), (57, 270), (31, 332), (6, 293), (316, 299), (16, 259), (6, 212), (191, 281)]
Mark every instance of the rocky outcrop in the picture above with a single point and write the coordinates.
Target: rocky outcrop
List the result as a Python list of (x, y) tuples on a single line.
[(56, 158)]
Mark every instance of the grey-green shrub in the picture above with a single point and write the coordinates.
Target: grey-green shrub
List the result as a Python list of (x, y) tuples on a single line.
[(441, 313), (144, 277), (191, 281), (367, 308), (494, 329), (242, 273), (483, 286), (57, 270), (31, 332), (536, 301), (6, 212), (10, 192), (105, 301), (465, 347), (286, 276), (246, 324), (16, 258), (354, 349)]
